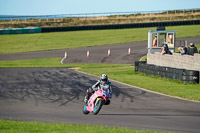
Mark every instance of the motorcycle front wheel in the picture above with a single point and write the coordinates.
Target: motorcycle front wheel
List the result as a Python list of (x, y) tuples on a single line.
[(98, 106)]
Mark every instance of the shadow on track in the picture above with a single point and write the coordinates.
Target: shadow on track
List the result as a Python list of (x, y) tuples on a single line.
[(50, 85)]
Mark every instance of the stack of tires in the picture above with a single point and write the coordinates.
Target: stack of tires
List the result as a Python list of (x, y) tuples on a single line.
[(186, 76), (20, 30), (119, 26)]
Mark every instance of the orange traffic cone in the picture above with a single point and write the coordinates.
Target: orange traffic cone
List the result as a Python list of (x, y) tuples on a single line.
[(129, 51), (109, 52), (88, 53)]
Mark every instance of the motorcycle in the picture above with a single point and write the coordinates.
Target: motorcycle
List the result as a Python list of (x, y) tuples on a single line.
[(97, 100)]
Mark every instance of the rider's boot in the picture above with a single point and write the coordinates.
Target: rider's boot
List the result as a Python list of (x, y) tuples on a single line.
[(86, 98), (88, 94)]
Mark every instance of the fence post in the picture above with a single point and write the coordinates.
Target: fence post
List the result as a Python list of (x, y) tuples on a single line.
[(186, 43)]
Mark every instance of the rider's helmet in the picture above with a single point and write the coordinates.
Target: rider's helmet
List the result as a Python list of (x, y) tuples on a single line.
[(104, 78), (104, 82)]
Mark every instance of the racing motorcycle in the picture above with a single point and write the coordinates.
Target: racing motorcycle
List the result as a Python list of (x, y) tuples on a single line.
[(97, 100)]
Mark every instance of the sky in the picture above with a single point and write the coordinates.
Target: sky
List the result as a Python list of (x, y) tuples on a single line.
[(55, 7)]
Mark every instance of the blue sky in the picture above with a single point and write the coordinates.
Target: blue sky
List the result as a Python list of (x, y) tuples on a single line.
[(52, 7)]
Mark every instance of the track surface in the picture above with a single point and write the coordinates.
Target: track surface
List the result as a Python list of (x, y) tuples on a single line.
[(56, 95)]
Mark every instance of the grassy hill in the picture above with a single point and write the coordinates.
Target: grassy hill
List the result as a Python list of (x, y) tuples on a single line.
[(96, 19)]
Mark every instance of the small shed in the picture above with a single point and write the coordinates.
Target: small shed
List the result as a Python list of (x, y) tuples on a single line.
[(156, 40)]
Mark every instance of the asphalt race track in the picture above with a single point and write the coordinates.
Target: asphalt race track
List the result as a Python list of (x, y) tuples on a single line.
[(98, 54), (56, 95)]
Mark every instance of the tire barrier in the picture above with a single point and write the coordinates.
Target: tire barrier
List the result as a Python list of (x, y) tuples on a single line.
[(186, 76), (20, 30), (120, 26)]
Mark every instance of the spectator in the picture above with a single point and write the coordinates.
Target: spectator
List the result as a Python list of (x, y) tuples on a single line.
[(183, 50), (155, 41), (165, 50), (192, 49)]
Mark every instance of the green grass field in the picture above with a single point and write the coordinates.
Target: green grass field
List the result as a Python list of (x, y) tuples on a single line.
[(120, 72), (75, 39), (7, 126)]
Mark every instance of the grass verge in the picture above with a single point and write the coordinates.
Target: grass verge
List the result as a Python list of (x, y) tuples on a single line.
[(120, 72), (7, 126), (74, 39)]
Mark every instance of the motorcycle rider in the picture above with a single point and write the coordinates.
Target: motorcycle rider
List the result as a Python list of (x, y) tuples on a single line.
[(102, 83)]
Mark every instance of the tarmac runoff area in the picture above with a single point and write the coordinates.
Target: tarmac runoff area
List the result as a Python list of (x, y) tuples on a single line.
[(56, 95)]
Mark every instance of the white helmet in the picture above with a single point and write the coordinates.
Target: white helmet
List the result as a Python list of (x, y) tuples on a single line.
[(104, 77)]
